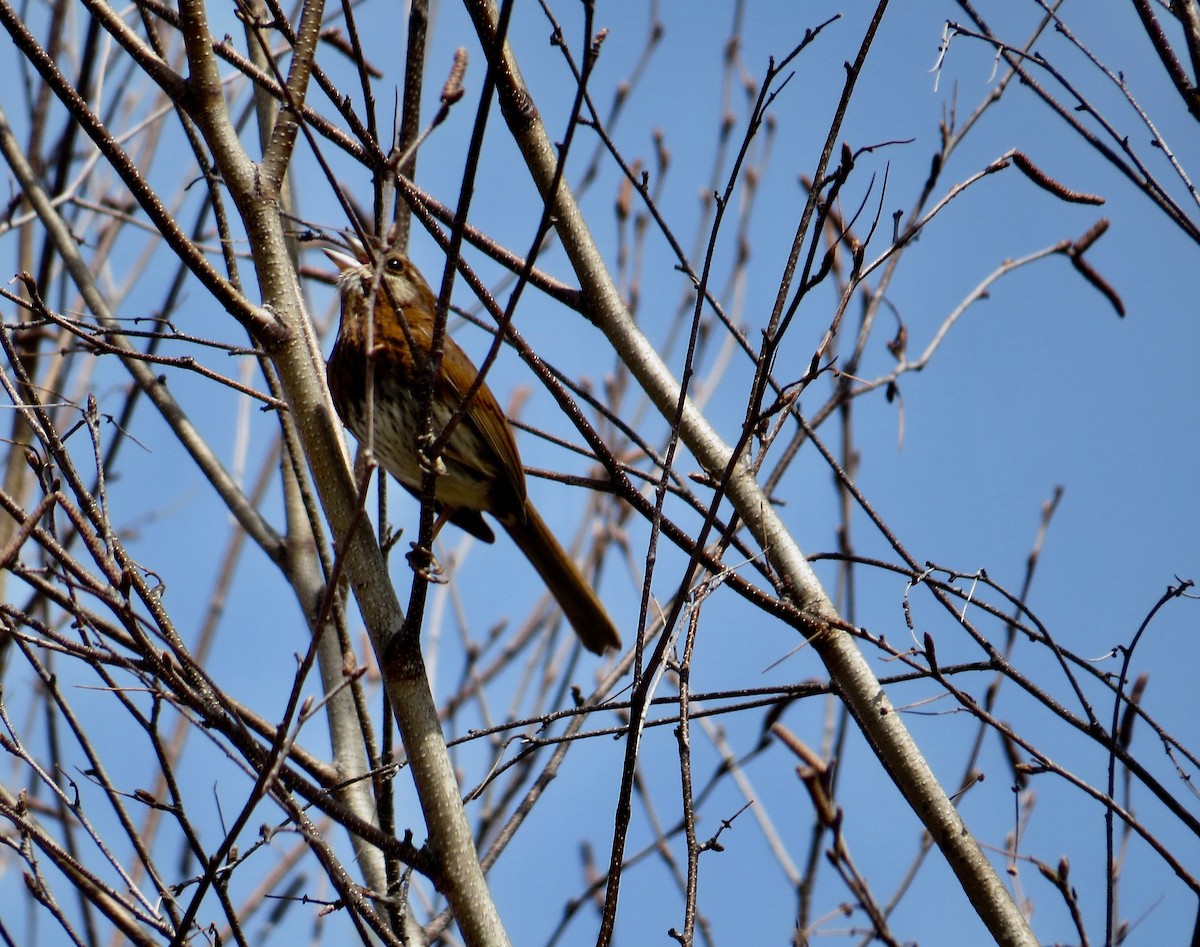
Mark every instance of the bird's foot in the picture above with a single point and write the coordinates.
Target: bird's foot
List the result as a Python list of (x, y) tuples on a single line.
[(425, 565), (434, 465)]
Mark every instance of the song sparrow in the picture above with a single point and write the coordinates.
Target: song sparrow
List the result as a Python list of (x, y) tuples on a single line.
[(480, 470)]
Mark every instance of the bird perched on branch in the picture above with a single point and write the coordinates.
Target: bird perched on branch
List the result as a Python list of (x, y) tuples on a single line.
[(479, 470)]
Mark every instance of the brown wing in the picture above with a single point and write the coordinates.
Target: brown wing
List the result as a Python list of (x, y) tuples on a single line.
[(488, 421)]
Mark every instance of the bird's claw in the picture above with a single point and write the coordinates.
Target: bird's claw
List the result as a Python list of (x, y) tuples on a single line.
[(436, 466), (425, 565)]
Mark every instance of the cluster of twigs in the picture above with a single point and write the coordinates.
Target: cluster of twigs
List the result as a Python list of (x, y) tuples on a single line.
[(124, 684)]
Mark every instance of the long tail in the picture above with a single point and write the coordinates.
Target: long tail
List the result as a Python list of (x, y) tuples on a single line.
[(574, 595)]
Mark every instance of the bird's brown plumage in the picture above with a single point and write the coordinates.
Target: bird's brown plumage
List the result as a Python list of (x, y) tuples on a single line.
[(479, 470)]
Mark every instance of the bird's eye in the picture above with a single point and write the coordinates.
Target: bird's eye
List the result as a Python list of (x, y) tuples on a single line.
[(395, 264)]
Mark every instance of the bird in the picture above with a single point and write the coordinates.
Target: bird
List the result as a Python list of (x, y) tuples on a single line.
[(479, 470)]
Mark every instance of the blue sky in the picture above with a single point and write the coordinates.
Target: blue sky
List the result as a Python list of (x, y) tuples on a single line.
[(1038, 386)]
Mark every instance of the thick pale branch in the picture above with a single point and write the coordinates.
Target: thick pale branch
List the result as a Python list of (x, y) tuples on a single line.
[(298, 360), (856, 682)]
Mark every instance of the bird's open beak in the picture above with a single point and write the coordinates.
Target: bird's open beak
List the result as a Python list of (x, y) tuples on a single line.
[(343, 261)]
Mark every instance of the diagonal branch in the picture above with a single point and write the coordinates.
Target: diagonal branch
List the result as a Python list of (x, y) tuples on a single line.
[(857, 684)]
